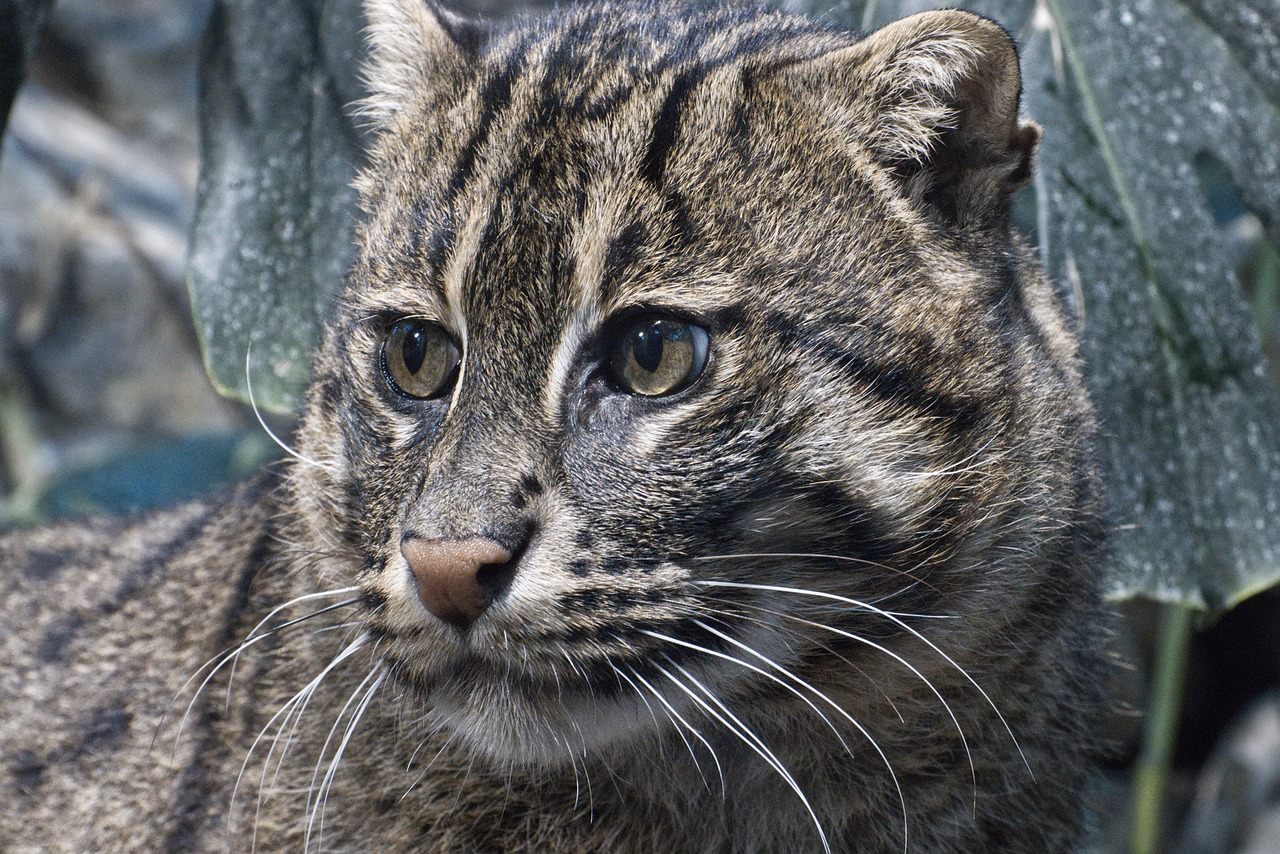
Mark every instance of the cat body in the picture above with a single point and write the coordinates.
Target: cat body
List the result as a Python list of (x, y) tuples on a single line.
[(696, 461)]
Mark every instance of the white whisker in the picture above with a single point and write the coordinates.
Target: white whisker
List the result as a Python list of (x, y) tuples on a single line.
[(929, 683), (896, 620), (841, 711), (674, 716), (326, 785), (287, 709), (747, 665), (276, 610), (747, 736), (253, 404), (231, 654)]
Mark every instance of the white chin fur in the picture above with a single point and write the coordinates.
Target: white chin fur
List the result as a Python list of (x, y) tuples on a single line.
[(558, 731)]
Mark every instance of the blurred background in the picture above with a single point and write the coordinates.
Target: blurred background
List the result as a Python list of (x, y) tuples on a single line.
[(105, 405)]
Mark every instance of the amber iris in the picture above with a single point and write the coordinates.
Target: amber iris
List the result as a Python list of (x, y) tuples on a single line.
[(419, 359), (657, 355)]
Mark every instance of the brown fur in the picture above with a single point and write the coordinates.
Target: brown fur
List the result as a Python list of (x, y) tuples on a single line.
[(891, 426)]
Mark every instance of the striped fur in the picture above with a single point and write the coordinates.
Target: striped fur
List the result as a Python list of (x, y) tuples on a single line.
[(838, 592)]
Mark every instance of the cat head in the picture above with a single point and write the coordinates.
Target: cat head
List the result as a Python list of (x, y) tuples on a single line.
[(684, 345)]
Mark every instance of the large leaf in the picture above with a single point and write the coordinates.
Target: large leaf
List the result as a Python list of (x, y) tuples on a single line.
[(1132, 94), (272, 235)]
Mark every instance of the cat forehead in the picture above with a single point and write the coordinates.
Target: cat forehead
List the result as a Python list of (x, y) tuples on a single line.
[(568, 162)]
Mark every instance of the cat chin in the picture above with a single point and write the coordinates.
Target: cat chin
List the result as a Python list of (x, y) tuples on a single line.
[(553, 731)]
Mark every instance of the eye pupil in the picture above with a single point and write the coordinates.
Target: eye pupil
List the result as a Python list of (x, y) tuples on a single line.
[(657, 356), (414, 350), (647, 349), (419, 359)]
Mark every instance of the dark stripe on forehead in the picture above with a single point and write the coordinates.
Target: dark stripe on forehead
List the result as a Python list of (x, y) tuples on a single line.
[(431, 242), (494, 100), (666, 127), (625, 250)]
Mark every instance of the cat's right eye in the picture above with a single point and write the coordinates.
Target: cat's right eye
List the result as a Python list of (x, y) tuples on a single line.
[(419, 359)]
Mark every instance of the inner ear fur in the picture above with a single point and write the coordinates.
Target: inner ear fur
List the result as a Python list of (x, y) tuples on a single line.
[(415, 48), (934, 98)]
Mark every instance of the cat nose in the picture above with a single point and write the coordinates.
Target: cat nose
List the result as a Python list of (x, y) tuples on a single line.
[(457, 579)]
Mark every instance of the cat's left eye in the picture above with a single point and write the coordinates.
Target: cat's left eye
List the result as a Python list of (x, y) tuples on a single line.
[(658, 355), (419, 359)]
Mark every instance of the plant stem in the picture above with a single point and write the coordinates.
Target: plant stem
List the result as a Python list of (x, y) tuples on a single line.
[(17, 447), (1267, 290), (1152, 772)]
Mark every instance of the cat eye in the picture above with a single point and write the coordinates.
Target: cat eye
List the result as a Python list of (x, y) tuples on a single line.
[(655, 356), (419, 359)]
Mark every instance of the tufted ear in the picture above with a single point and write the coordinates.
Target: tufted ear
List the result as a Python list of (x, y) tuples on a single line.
[(414, 47), (933, 97)]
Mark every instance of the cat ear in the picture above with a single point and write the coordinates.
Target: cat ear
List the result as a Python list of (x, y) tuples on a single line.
[(414, 46), (934, 97)]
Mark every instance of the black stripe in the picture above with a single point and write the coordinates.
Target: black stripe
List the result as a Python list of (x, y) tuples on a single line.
[(740, 131), (43, 564), (494, 99), (894, 382), (904, 385), (199, 781), (430, 242), (625, 249), (859, 532), (603, 106), (595, 599), (666, 128)]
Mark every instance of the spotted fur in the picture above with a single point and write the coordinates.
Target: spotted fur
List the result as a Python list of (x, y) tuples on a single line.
[(838, 593)]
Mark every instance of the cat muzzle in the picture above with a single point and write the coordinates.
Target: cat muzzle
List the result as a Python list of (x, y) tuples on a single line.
[(456, 578)]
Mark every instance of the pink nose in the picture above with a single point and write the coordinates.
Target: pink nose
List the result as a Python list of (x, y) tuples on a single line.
[(449, 575)]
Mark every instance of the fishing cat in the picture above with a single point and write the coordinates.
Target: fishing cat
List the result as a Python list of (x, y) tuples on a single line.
[(696, 460)]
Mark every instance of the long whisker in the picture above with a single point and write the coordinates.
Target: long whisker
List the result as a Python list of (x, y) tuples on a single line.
[(705, 651), (326, 786), (747, 736), (228, 655), (248, 381), (897, 621), (324, 748), (817, 556), (929, 683), (196, 675), (304, 696), (770, 626), (841, 711), (672, 714), (427, 768), (300, 701), (231, 678)]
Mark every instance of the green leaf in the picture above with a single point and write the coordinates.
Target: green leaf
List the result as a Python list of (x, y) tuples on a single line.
[(272, 235), (1192, 426), (1133, 95)]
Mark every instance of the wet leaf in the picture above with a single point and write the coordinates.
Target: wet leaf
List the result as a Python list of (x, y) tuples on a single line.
[(272, 234), (1137, 97)]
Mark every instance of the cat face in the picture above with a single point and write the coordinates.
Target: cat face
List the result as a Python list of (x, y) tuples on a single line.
[(683, 357)]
